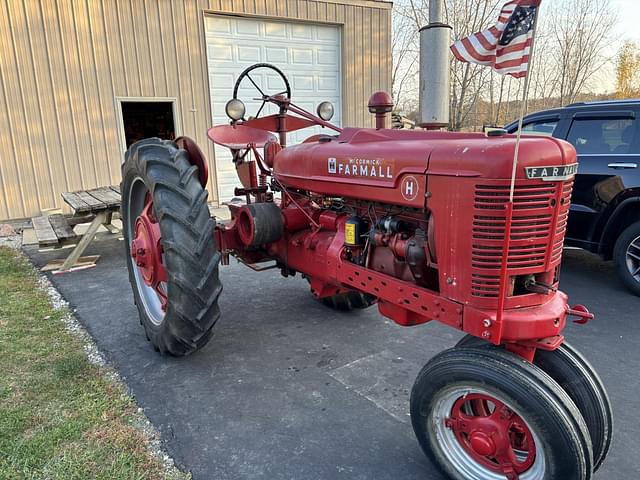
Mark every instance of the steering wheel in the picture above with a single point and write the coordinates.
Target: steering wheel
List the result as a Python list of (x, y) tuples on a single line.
[(263, 95)]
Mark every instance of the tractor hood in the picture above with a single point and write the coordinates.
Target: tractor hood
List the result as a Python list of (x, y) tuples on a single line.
[(394, 165)]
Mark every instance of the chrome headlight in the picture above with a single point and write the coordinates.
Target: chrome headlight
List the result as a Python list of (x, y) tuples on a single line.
[(235, 109), (325, 111)]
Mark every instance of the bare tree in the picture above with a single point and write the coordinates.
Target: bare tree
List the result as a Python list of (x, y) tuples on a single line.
[(468, 81), (570, 51), (405, 46), (581, 30)]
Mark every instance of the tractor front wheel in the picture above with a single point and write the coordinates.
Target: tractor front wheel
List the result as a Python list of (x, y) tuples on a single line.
[(483, 414), (579, 379), (171, 254)]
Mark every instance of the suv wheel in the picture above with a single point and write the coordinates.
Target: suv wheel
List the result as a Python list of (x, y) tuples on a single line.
[(626, 255)]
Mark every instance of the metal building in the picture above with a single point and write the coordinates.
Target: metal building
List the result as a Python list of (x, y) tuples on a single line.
[(77, 77)]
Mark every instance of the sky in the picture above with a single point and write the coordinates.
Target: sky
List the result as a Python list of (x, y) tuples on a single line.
[(627, 28), (628, 18)]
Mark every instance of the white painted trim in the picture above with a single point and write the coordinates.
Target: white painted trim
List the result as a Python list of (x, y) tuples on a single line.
[(120, 126)]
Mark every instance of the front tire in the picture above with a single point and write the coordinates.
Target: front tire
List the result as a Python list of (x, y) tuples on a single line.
[(483, 414), (626, 255), (579, 379), (179, 312)]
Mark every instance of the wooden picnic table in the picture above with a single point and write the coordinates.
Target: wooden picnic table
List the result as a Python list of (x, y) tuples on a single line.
[(97, 206)]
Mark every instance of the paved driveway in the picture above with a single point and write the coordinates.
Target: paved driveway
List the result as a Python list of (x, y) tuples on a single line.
[(288, 389)]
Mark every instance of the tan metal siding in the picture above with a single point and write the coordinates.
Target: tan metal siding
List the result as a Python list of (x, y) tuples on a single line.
[(64, 63)]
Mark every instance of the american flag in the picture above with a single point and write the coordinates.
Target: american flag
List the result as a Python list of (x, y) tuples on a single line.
[(505, 46)]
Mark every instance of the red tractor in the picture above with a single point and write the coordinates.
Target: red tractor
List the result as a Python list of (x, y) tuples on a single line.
[(413, 222)]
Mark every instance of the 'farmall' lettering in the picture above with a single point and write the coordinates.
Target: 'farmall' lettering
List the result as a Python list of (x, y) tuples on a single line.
[(550, 174), (375, 168)]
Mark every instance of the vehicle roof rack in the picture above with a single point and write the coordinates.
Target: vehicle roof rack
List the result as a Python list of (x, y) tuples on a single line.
[(605, 102)]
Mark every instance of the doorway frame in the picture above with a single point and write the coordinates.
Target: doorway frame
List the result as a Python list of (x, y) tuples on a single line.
[(177, 126)]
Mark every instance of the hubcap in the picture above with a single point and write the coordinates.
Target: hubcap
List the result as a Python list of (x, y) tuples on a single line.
[(485, 439), (633, 259), (147, 253)]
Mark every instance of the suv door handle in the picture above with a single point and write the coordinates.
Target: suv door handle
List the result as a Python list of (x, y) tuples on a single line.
[(623, 165)]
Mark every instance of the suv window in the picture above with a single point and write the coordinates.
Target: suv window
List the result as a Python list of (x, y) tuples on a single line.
[(604, 135), (541, 127)]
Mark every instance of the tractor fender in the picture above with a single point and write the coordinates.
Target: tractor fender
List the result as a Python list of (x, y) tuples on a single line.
[(196, 157)]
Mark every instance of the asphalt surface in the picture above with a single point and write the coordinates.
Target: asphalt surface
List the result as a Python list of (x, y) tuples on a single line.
[(288, 389)]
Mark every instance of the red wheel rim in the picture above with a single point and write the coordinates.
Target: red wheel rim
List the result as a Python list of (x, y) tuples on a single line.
[(492, 434), (146, 251)]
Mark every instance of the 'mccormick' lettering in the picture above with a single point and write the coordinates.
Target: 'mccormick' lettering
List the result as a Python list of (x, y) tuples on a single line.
[(379, 169)]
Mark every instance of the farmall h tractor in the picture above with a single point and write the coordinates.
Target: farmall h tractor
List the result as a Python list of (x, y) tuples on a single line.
[(412, 222)]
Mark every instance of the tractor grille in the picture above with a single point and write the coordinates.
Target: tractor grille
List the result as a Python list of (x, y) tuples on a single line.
[(540, 214)]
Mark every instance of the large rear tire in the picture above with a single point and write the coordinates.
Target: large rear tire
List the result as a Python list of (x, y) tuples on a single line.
[(179, 312), (483, 414), (581, 382)]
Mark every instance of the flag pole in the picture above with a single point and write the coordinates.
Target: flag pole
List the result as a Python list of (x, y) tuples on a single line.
[(523, 107), (509, 207)]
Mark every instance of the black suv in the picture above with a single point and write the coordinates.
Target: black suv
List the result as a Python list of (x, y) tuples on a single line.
[(605, 207)]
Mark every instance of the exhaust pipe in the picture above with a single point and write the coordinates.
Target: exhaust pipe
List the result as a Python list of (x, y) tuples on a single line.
[(435, 39)]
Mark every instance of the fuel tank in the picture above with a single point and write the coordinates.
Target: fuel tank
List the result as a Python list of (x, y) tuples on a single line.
[(394, 166)]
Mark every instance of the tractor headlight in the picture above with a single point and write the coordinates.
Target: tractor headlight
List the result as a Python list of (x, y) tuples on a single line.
[(235, 109), (325, 111)]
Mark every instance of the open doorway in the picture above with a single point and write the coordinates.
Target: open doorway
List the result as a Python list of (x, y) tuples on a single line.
[(147, 118)]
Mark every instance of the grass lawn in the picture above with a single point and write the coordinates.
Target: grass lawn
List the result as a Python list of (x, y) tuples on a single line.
[(60, 416)]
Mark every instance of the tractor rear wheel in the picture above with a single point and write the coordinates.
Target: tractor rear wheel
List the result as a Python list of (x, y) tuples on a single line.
[(581, 382), (483, 414), (169, 239)]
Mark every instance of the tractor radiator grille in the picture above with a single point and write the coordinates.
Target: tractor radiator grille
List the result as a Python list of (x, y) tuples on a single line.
[(540, 214)]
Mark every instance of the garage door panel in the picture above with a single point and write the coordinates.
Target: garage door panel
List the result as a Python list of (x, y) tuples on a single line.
[(302, 56), (325, 56), (247, 28), (308, 54), (328, 83), (275, 83), (302, 31), (249, 54), (302, 83), (220, 52), (275, 30), (219, 25), (218, 79), (325, 34), (277, 54)]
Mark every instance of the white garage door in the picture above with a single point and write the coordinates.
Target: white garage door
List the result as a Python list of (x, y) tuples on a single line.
[(308, 54)]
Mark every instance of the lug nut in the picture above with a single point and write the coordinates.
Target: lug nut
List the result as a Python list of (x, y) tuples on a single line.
[(140, 263), (486, 323), (486, 334), (141, 251)]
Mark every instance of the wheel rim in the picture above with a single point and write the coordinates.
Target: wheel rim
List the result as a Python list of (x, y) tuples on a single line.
[(484, 439), (633, 258), (146, 252)]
